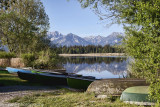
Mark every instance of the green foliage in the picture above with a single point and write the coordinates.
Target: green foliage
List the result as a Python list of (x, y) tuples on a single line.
[(7, 55), (28, 59), (23, 29), (90, 49), (142, 43), (141, 19), (22, 26), (47, 59), (44, 59)]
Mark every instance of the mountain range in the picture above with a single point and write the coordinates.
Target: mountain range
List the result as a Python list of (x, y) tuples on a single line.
[(72, 39)]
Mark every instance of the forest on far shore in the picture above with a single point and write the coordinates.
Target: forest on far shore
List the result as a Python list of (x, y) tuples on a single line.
[(89, 49)]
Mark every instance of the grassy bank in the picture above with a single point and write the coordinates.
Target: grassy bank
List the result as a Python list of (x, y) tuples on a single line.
[(67, 98), (8, 79), (13, 79), (58, 97), (94, 54)]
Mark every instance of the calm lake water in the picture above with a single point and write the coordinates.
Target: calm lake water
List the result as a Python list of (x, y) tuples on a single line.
[(99, 67)]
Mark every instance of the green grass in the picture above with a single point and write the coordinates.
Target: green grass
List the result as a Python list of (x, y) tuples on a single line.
[(4, 72), (67, 98), (59, 97), (13, 79)]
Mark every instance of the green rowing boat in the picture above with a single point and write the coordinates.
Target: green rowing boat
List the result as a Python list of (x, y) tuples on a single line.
[(137, 95), (80, 82), (45, 78)]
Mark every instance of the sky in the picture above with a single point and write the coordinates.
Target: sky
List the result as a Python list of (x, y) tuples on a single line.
[(68, 17)]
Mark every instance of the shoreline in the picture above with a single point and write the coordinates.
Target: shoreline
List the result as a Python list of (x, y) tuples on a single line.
[(10, 92), (94, 54)]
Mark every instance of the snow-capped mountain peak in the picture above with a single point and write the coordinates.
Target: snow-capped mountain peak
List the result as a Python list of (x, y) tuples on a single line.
[(72, 39)]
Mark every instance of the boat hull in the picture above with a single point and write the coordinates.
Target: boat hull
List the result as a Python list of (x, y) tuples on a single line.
[(137, 94), (15, 70), (134, 97), (49, 79), (78, 83)]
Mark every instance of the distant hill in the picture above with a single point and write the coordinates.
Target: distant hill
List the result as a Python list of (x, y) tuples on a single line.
[(72, 39)]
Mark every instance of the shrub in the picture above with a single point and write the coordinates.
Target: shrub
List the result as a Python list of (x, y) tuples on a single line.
[(43, 59), (7, 55), (29, 59), (46, 59)]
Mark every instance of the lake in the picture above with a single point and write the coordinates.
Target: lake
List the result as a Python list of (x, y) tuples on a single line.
[(99, 67)]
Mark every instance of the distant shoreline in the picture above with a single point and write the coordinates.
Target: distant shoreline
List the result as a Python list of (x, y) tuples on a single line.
[(94, 54)]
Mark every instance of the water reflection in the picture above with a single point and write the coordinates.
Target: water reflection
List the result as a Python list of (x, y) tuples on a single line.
[(99, 67)]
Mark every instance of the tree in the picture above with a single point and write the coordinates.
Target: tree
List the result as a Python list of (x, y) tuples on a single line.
[(23, 24), (141, 19)]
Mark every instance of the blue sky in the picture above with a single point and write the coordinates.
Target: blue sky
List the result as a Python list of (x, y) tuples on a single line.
[(68, 17)]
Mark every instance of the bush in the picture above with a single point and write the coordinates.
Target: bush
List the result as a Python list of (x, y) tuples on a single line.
[(29, 59), (43, 59), (46, 59), (7, 55)]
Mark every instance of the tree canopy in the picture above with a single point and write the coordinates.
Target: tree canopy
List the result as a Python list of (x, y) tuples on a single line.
[(90, 49), (141, 19), (23, 23)]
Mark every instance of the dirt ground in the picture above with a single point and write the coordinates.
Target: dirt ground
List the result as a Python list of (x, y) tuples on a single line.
[(9, 92)]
